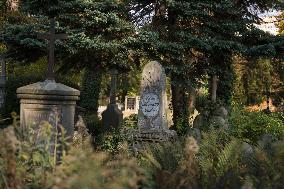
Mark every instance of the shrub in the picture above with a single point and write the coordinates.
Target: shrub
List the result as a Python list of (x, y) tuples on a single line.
[(219, 161), (27, 161), (173, 165), (131, 121), (250, 126), (86, 169), (12, 103), (27, 155)]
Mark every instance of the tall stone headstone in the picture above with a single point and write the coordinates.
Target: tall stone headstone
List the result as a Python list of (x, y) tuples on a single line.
[(152, 114), (112, 117)]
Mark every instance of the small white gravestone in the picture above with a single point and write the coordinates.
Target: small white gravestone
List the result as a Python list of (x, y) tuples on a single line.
[(131, 105), (152, 114)]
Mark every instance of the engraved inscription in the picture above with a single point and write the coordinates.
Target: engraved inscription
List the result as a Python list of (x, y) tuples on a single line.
[(150, 104), (36, 116), (131, 103)]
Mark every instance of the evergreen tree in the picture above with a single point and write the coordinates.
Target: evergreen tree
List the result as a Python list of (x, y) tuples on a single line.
[(99, 35), (200, 35)]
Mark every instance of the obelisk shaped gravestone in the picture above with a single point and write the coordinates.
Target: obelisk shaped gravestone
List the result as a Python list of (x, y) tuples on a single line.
[(112, 117), (152, 113)]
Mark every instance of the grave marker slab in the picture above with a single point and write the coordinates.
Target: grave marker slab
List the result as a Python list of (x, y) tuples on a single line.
[(152, 114), (131, 106)]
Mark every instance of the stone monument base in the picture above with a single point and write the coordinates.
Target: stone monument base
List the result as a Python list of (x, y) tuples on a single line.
[(112, 118), (140, 139)]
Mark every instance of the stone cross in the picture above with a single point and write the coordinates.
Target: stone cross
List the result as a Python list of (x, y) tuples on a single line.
[(3, 69), (51, 36), (113, 86), (152, 113), (112, 117)]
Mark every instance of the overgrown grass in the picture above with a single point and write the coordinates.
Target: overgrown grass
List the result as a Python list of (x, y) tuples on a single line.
[(219, 160)]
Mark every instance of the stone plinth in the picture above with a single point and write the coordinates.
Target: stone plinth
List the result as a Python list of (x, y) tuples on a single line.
[(140, 139), (48, 101), (112, 118)]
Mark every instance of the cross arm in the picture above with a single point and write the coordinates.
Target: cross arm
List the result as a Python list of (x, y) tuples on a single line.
[(56, 36), (61, 36)]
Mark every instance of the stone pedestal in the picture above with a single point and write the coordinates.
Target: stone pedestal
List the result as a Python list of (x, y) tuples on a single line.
[(140, 139), (48, 101), (112, 118)]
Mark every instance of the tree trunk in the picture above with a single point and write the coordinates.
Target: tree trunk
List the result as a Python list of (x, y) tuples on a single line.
[(214, 86), (180, 106), (226, 80), (192, 100)]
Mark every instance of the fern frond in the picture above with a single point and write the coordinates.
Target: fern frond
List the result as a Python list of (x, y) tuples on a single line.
[(227, 157)]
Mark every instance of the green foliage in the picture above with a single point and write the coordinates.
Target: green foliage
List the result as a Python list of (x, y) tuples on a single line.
[(181, 126), (12, 103), (91, 87), (93, 123), (254, 77), (173, 164), (86, 169), (219, 161), (27, 160), (131, 121), (112, 142), (20, 75), (27, 155), (250, 126), (98, 31), (225, 84)]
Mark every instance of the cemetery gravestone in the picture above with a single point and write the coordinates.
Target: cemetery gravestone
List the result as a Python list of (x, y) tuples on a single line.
[(152, 114), (40, 100), (49, 101), (153, 98), (131, 105), (112, 117)]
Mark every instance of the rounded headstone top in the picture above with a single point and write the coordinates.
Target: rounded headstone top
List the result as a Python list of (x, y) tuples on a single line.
[(48, 87), (153, 69)]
